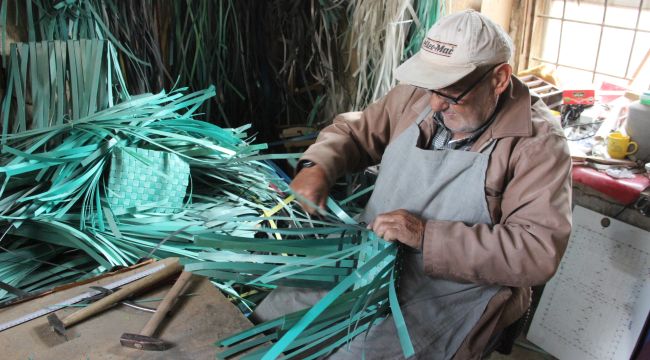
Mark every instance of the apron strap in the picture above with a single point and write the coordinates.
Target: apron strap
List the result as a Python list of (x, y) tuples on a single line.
[(488, 146)]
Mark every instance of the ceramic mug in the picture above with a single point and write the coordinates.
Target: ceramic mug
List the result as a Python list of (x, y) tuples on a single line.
[(618, 145)]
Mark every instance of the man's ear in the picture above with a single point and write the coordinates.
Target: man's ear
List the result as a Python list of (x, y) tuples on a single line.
[(501, 78)]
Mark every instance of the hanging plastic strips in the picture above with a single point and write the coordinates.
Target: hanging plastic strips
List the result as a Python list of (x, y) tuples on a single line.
[(59, 81)]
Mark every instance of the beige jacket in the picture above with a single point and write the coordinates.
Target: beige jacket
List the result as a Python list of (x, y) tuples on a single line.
[(528, 192)]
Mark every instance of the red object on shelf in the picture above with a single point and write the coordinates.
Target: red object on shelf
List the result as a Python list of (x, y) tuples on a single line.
[(578, 97), (609, 92), (625, 191)]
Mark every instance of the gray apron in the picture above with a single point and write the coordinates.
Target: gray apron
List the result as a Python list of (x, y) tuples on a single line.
[(436, 185)]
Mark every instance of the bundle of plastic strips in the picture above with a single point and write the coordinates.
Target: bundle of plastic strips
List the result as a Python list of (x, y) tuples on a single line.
[(235, 224)]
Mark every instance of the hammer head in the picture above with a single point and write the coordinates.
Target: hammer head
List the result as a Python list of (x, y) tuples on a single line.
[(142, 342), (57, 325)]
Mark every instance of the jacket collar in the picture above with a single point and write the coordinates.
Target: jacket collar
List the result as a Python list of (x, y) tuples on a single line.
[(513, 119)]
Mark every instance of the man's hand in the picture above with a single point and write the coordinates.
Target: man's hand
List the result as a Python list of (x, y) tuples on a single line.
[(311, 184), (400, 225)]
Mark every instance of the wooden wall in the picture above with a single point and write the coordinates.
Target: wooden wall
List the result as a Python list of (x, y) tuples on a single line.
[(515, 16)]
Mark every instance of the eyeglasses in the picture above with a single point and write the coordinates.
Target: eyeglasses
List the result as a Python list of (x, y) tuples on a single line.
[(451, 100)]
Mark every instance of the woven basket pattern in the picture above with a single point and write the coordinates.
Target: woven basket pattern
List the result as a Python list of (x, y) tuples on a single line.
[(134, 183)]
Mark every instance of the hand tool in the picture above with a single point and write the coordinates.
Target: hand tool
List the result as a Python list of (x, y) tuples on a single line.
[(104, 292), (60, 325), (598, 160), (81, 297), (145, 340)]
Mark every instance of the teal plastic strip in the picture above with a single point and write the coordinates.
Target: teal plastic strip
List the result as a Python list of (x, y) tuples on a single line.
[(53, 84), (10, 87), (241, 347), (42, 113), (31, 33), (400, 324), (338, 343), (336, 209), (3, 36), (74, 81), (97, 51), (60, 49), (34, 83), (357, 195), (21, 86)]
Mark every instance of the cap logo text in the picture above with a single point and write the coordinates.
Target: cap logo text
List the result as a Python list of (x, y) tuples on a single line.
[(438, 48)]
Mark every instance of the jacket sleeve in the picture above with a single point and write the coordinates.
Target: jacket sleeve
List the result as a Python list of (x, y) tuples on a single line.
[(356, 140), (525, 247)]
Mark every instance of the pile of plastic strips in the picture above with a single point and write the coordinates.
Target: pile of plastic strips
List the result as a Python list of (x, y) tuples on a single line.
[(81, 187)]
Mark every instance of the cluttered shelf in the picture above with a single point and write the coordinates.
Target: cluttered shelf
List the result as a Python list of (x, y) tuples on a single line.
[(608, 132)]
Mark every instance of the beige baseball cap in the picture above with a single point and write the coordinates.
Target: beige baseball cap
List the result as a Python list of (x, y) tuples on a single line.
[(455, 46)]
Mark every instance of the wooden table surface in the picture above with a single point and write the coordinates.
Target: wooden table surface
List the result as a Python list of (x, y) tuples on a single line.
[(193, 326)]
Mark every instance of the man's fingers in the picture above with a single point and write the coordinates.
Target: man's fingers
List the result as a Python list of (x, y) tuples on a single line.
[(386, 229), (382, 223), (311, 185), (389, 234), (399, 225), (386, 232)]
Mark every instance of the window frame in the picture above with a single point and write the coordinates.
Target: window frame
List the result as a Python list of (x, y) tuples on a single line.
[(537, 30)]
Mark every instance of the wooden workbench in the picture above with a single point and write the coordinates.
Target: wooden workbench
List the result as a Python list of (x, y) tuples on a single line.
[(193, 326)]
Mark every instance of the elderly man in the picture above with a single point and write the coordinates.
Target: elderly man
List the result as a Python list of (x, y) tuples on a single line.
[(474, 180)]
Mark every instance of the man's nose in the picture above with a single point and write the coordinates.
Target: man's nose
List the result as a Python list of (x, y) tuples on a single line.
[(438, 104)]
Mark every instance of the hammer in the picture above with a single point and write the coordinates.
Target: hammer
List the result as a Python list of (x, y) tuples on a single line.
[(126, 291), (145, 340)]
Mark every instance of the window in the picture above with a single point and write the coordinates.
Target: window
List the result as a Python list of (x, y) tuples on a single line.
[(592, 41)]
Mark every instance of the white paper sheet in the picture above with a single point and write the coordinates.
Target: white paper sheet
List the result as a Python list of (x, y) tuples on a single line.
[(596, 304)]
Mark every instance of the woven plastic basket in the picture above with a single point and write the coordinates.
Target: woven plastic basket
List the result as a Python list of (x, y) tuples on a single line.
[(147, 180)]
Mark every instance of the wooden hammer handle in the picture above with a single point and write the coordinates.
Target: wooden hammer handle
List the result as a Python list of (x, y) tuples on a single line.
[(166, 304), (125, 292)]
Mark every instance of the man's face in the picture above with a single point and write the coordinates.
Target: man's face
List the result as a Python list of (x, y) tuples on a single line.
[(474, 107)]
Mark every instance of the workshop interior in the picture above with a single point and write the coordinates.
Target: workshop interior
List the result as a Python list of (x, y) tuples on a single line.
[(149, 148)]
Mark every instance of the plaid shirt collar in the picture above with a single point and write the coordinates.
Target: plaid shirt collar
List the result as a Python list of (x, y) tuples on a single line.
[(442, 138)]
